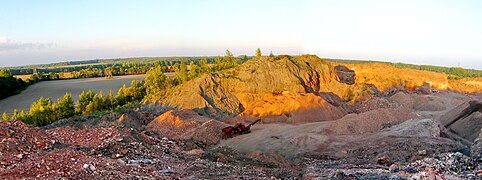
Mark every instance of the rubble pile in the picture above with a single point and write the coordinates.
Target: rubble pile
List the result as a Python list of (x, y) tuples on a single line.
[(442, 166), (208, 133), (174, 123)]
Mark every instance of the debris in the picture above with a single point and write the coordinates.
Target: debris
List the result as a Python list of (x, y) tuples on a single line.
[(476, 149)]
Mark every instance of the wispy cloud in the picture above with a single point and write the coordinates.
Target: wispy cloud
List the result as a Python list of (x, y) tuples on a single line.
[(11, 45)]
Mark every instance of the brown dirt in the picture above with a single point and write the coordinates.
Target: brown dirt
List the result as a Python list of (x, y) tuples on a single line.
[(371, 121), (292, 108), (176, 122), (209, 133), (404, 99), (428, 103), (376, 103), (133, 119)]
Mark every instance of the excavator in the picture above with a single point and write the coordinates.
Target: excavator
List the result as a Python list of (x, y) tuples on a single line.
[(238, 129)]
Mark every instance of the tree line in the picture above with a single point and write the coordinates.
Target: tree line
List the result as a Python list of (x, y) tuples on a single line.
[(10, 85)]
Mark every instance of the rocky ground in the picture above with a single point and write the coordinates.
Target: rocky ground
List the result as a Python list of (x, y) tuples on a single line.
[(182, 144), (122, 153)]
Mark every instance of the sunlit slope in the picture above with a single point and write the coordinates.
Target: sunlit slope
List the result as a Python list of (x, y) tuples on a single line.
[(385, 77), (290, 88)]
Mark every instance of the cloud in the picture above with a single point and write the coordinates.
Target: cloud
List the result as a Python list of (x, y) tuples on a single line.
[(11, 45)]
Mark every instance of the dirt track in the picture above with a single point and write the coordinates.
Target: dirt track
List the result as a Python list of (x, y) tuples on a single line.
[(57, 89), (285, 139)]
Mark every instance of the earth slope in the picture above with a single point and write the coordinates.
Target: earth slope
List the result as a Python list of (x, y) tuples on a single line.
[(259, 87)]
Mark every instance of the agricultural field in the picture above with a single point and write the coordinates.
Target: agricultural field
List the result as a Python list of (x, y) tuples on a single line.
[(58, 88)]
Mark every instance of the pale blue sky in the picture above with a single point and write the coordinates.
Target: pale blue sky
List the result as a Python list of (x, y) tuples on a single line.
[(414, 31)]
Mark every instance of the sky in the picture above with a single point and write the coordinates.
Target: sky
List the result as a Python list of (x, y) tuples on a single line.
[(437, 32)]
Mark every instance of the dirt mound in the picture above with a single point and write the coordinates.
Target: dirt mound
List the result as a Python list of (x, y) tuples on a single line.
[(133, 119), (428, 103), (176, 122), (420, 128), (371, 121), (293, 108), (376, 103), (209, 133), (404, 99)]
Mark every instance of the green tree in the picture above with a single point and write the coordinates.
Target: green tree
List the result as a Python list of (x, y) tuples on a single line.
[(194, 71), (202, 64), (42, 112), (218, 63), (156, 82), (111, 100), (65, 106), (138, 90), (5, 116), (271, 54), (84, 99), (183, 71), (5, 72), (258, 52), (229, 60), (97, 103), (121, 98), (22, 116), (15, 115), (243, 58)]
